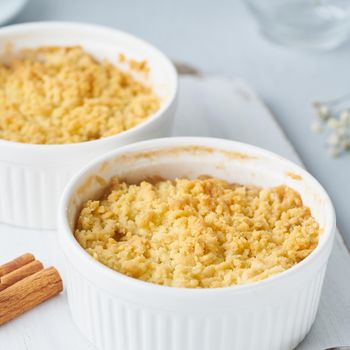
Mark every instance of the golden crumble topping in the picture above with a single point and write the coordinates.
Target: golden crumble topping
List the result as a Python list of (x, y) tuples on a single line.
[(55, 95), (202, 233)]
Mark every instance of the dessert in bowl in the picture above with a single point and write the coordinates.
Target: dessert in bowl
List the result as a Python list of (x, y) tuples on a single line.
[(189, 262), (70, 92), (199, 233)]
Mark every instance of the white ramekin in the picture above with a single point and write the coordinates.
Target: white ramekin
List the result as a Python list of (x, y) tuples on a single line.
[(32, 177), (118, 312)]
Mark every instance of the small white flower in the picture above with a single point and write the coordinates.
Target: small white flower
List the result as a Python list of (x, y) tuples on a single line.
[(322, 111), (345, 117), (337, 122), (333, 123), (316, 127), (333, 140), (342, 131)]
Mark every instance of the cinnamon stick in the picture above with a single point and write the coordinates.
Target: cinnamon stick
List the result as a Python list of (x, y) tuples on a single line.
[(16, 263), (16, 275), (29, 292)]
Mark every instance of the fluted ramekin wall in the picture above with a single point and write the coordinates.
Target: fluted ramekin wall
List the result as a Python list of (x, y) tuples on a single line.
[(111, 322), (29, 195)]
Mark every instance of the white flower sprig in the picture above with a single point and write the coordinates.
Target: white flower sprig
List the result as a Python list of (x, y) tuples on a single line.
[(336, 120)]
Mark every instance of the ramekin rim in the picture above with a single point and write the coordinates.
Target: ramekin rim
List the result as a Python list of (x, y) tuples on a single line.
[(65, 232), (174, 83)]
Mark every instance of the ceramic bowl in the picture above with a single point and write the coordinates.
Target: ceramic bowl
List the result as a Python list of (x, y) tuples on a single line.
[(32, 177), (117, 312)]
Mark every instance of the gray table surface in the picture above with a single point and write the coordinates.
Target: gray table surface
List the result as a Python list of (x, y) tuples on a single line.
[(220, 37)]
